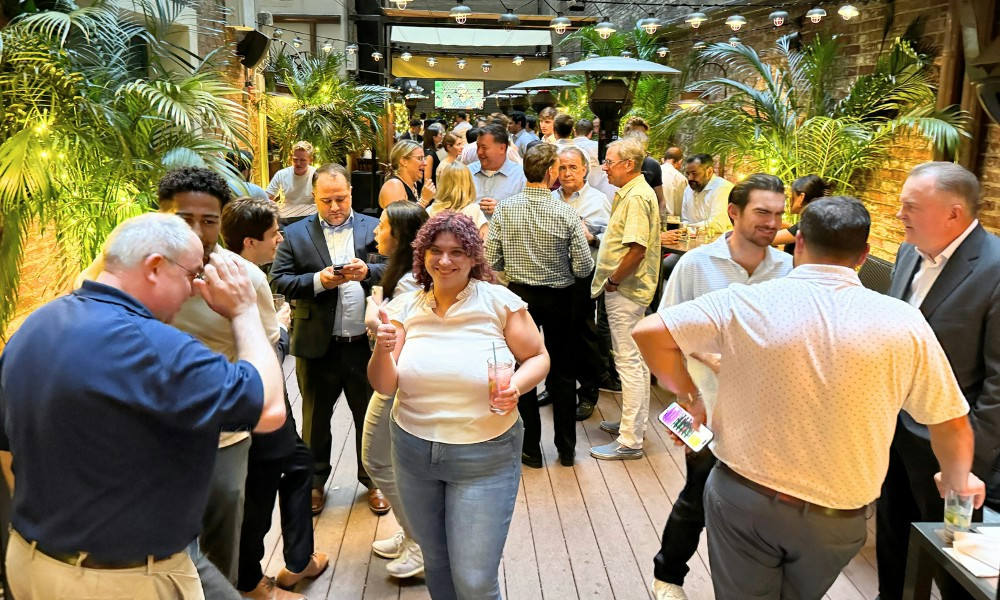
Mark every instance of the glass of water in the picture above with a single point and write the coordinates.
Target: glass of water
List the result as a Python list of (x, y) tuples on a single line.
[(957, 513)]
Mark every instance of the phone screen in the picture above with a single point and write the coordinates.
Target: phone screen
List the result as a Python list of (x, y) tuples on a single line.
[(680, 422)]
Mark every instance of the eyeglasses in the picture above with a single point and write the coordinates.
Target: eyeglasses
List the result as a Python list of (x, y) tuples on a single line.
[(608, 162), (200, 274)]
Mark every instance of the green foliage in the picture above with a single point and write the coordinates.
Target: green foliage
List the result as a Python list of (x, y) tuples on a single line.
[(781, 116), (95, 105), (337, 116)]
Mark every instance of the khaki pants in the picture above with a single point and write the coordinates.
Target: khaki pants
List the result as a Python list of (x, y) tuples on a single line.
[(35, 576)]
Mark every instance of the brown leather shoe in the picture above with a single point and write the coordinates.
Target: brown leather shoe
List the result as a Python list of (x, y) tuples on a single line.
[(377, 501), (318, 563), (266, 590), (317, 501)]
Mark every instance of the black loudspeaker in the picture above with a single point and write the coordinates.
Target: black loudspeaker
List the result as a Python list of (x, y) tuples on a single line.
[(251, 47), (363, 193)]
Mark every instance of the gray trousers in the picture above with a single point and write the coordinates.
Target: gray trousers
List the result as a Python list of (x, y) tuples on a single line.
[(220, 527), (764, 549)]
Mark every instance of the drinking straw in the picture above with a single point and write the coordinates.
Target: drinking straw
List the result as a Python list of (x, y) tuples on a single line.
[(494, 353)]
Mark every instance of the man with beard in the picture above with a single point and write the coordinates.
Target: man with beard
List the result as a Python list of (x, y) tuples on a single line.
[(743, 255), (707, 196)]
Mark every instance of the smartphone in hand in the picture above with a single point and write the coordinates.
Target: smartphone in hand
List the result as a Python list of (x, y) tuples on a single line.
[(680, 423), (338, 269)]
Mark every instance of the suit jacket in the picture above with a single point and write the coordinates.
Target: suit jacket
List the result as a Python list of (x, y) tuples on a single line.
[(963, 309), (304, 253)]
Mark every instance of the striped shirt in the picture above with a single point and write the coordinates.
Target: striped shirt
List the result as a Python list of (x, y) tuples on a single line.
[(538, 240)]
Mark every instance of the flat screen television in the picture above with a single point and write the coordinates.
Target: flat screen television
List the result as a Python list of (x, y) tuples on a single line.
[(457, 95)]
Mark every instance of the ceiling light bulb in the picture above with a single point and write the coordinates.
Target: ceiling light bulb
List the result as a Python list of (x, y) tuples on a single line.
[(278, 32), (486, 66), (431, 61), (376, 56), (400, 4), (406, 56), (460, 63), (605, 29), (351, 49), (460, 13), (297, 42), (662, 51), (518, 60), (734, 41), (650, 24), (695, 19), (848, 12), (816, 15), (563, 61), (735, 22), (778, 17), (560, 24), (509, 19), (327, 47)]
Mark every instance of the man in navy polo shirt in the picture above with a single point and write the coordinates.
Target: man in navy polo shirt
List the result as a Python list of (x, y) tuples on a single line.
[(113, 417)]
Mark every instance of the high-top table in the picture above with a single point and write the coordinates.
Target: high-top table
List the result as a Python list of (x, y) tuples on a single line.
[(926, 551)]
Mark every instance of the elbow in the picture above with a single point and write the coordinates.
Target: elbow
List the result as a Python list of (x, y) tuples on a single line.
[(271, 418)]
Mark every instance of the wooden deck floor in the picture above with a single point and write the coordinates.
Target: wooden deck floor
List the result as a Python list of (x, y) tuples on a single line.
[(590, 531)]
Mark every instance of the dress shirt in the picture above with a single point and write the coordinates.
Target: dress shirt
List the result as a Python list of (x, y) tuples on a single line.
[(674, 184), (708, 208), (590, 205), (536, 239), (522, 139), (442, 390), (815, 369), (596, 178), (349, 318), (931, 266), (501, 184), (709, 268), (635, 218), (461, 128), (295, 190)]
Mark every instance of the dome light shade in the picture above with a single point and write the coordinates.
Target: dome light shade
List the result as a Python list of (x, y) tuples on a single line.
[(778, 17), (816, 15), (486, 66), (626, 54), (406, 56), (351, 49), (560, 24), (509, 19), (650, 24), (734, 41), (563, 61), (848, 12), (518, 60), (431, 61), (278, 32), (662, 51), (605, 29), (376, 56), (327, 47), (400, 4), (735, 22), (460, 63), (460, 13), (695, 19), (297, 42)]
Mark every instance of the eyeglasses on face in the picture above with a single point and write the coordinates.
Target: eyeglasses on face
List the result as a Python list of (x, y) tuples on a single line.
[(200, 274)]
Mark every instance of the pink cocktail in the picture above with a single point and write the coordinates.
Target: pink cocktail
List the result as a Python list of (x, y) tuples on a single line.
[(499, 373)]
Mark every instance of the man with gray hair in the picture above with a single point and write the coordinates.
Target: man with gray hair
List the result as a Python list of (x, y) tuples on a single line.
[(97, 463), (627, 271), (949, 268)]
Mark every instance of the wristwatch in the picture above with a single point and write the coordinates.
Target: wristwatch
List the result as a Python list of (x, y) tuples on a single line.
[(610, 281)]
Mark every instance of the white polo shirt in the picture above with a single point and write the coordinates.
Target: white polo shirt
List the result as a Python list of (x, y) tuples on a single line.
[(815, 369)]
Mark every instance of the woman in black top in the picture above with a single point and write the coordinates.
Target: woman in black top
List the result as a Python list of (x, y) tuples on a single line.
[(433, 137), (804, 190), (407, 163)]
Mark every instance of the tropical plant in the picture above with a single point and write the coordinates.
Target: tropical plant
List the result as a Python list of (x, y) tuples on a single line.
[(781, 115), (94, 106), (338, 116)]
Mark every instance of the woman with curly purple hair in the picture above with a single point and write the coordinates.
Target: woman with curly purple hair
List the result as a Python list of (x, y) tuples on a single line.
[(457, 463)]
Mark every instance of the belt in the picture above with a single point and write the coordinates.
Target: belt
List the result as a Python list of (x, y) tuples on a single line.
[(798, 503), (84, 560), (349, 339)]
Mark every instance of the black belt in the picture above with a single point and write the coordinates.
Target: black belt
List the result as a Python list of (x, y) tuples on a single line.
[(350, 339), (798, 503)]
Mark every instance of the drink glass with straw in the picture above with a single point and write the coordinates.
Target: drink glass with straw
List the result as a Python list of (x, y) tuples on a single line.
[(499, 373)]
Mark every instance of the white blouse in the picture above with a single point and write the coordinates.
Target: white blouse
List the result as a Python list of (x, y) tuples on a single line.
[(443, 389)]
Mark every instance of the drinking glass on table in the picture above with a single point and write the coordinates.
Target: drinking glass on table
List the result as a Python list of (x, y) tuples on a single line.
[(499, 373), (957, 513), (693, 231), (683, 229), (673, 222)]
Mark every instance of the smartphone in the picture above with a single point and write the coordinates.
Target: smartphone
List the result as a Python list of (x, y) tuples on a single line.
[(338, 269), (679, 421), (377, 294)]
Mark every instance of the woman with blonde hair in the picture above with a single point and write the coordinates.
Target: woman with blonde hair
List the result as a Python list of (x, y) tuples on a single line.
[(407, 163), (457, 192)]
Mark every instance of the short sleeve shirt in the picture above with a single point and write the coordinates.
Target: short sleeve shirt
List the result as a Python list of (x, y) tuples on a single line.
[(443, 388), (635, 218), (113, 419), (296, 191)]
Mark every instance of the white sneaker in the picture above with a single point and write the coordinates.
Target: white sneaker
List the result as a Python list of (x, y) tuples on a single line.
[(668, 591), (409, 564), (390, 547)]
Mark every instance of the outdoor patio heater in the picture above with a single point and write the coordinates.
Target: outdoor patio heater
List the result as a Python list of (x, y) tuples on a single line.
[(611, 83), (541, 91)]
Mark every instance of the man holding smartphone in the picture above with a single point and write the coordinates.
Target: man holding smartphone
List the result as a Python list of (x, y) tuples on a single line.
[(802, 459), (743, 255)]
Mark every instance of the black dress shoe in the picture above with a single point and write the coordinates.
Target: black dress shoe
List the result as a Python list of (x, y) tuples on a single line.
[(566, 459), (610, 384), (544, 399), (530, 461), (584, 410)]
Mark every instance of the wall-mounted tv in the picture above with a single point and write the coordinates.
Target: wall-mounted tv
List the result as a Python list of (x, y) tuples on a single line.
[(455, 95)]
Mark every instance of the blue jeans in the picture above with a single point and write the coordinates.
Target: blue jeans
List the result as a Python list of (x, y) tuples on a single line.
[(458, 499)]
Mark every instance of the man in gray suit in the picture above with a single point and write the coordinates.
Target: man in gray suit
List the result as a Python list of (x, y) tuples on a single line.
[(321, 266), (948, 267)]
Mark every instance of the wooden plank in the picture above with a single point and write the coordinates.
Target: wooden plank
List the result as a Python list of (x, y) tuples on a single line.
[(520, 563)]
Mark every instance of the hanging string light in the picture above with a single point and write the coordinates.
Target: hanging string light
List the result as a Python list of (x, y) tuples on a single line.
[(560, 24), (605, 29), (327, 47), (778, 17), (509, 19), (278, 32), (351, 49), (297, 42), (400, 4), (735, 22), (650, 24), (848, 12), (662, 51), (734, 41), (376, 56), (695, 19), (486, 66), (563, 61), (460, 63), (699, 45), (816, 15), (460, 12), (626, 54), (431, 61), (518, 60), (406, 56)]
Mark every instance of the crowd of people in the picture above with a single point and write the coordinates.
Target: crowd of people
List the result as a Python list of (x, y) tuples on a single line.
[(508, 270)]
